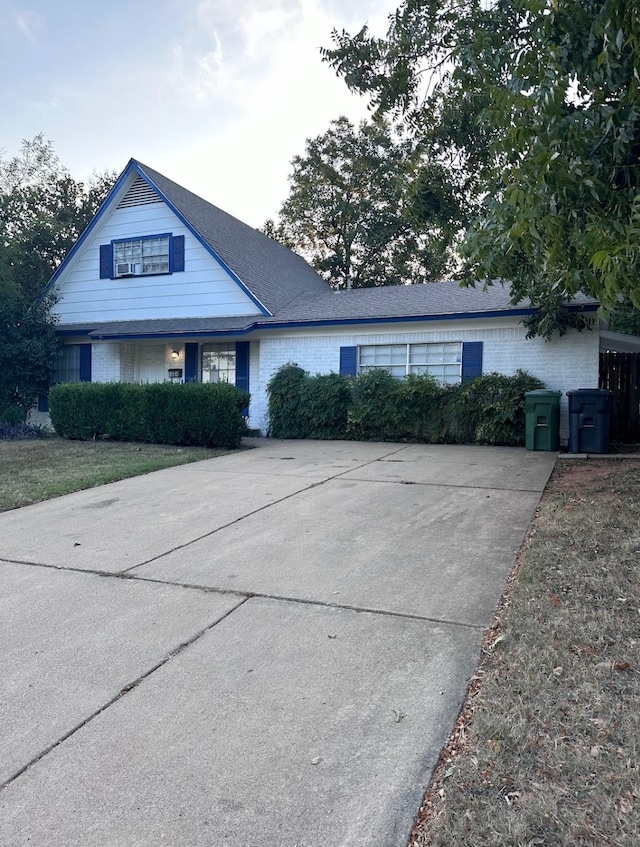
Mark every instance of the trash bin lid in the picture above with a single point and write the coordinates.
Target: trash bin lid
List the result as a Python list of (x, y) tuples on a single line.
[(598, 392), (543, 392)]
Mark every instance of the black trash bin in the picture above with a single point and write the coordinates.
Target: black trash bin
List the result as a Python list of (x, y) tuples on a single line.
[(589, 420), (542, 410)]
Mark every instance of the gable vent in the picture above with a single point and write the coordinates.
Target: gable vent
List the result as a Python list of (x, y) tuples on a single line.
[(140, 194)]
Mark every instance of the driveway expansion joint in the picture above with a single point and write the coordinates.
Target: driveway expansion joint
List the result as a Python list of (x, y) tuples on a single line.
[(315, 484), (130, 686), (448, 485), (303, 601)]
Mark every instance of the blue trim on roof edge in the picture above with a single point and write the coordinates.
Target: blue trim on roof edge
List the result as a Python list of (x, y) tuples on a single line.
[(91, 226), (206, 246), (211, 333), (496, 313), (133, 165), (258, 325)]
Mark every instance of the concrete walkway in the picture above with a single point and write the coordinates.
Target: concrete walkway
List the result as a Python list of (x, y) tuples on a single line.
[(267, 649)]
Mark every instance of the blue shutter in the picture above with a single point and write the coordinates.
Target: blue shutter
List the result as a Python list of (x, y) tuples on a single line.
[(177, 253), (242, 365), (191, 362), (471, 360), (85, 362), (349, 361), (106, 261), (242, 368)]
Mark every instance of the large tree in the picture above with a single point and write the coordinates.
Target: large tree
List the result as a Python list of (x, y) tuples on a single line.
[(537, 104), (43, 210), (366, 209)]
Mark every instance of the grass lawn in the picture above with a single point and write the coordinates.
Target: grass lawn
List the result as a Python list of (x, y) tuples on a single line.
[(547, 748), (38, 469)]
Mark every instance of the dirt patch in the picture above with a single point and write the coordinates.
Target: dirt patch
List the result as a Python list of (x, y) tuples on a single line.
[(575, 474)]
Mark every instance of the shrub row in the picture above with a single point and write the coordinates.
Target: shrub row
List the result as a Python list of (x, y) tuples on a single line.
[(375, 406), (196, 414)]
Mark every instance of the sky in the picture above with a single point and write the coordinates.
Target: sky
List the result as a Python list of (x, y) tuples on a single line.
[(218, 95)]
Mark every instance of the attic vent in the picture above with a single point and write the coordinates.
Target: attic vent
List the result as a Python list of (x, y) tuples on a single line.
[(140, 194)]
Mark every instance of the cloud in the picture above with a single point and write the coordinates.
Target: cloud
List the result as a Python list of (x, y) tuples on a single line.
[(29, 23), (203, 76), (220, 95), (276, 93)]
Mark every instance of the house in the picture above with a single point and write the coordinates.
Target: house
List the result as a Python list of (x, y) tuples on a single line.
[(164, 285)]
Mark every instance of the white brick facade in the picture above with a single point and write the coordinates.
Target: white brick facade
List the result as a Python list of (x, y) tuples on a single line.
[(563, 364), (105, 362)]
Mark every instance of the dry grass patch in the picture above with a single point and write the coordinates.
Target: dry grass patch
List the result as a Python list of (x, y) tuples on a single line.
[(546, 750), (39, 469)]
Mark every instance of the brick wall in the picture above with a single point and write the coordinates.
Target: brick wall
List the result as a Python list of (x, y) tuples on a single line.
[(105, 362), (564, 363), (127, 362)]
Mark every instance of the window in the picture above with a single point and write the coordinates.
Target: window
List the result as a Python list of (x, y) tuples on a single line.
[(219, 363), (68, 365), (443, 360), (74, 364), (142, 256)]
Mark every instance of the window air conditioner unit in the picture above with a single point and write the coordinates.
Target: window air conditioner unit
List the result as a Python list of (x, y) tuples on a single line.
[(127, 268)]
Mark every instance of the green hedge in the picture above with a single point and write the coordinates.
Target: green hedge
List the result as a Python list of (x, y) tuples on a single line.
[(375, 406), (158, 413)]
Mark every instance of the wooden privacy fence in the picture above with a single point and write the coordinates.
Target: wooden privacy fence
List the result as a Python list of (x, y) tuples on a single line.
[(620, 373)]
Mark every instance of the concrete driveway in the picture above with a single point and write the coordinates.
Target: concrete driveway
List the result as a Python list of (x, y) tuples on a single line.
[(267, 649)]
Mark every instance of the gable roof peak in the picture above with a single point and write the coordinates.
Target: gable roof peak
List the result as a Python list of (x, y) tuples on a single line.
[(272, 274)]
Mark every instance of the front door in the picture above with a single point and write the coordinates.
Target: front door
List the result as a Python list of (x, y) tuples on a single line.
[(152, 365)]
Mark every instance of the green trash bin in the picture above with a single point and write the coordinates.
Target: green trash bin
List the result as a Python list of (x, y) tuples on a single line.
[(542, 408)]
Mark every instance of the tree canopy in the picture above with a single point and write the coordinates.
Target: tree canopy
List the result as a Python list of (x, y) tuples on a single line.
[(43, 211), (535, 106), (367, 209)]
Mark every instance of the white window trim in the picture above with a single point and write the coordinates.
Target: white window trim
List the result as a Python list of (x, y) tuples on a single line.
[(435, 369), (135, 263)]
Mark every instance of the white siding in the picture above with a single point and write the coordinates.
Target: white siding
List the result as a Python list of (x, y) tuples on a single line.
[(564, 363), (204, 288)]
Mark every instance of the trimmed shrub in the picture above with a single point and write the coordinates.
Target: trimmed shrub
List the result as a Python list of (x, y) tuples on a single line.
[(324, 404), (491, 408), (422, 403), (284, 391), (376, 411), (376, 406), (196, 414)]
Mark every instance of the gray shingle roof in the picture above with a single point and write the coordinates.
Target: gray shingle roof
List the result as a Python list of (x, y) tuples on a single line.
[(405, 301), (434, 300), (272, 272), (159, 327)]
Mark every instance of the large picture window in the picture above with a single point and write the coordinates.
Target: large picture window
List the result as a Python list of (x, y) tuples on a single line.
[(443, 360)]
